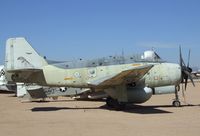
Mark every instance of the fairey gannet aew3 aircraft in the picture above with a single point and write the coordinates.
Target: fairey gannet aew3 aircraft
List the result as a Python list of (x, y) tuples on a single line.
[(33, 92), (130, 79)]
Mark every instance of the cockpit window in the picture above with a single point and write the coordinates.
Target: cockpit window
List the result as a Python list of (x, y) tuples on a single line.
[(150, 56)]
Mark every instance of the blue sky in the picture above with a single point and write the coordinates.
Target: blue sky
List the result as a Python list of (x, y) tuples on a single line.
[(68, 29)]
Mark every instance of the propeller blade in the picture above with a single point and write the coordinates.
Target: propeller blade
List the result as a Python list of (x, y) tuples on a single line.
[(186, 81), (182, 63), (190, 77), (180, 57), (192, 80), (188, 59), (183, 94)]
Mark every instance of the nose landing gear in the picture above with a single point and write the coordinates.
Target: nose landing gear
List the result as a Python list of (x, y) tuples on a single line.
[(176, 102)]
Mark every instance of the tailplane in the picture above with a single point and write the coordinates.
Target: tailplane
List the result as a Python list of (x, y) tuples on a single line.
[(20, 55)]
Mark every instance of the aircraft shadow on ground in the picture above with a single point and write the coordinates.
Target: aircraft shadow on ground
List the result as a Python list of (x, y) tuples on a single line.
[(154, 109), (46, 109), (138, 109), (6, 92)]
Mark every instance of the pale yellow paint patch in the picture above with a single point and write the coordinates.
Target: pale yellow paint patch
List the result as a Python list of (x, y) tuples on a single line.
[(68, 78), (135, 65)]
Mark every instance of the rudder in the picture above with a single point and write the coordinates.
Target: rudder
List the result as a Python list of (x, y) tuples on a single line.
[(20, 55)]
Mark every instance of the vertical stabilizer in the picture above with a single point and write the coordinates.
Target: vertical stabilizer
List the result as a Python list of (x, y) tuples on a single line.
[(20, 55)]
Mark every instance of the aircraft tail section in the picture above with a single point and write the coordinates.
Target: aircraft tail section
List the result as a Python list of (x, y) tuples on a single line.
[(20, 55)]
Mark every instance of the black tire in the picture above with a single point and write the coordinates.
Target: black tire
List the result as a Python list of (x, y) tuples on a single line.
[(109, 102), (114, 104), (176, 103)]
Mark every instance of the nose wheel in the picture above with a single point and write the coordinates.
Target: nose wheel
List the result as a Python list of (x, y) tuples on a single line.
[(176, 102)]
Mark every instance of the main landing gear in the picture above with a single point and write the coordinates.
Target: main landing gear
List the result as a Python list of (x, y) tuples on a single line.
[(115, 104), (176, 102)]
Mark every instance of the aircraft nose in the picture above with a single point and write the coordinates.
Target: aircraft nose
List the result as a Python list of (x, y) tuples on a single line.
[(177, 73), (174, 73)]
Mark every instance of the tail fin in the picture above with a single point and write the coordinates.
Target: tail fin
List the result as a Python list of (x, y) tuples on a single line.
[(20, 55)]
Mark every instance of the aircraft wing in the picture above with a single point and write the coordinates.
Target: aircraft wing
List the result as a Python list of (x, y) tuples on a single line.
[(126, 76)]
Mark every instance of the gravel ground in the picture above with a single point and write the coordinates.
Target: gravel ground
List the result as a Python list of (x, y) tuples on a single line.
[(67, 117)]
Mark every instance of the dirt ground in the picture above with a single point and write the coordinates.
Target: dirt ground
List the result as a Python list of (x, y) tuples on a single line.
[(67, 117)]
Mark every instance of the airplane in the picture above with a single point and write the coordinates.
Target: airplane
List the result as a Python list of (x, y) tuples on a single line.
[(33, 92), (196, 72), (125, 79), (4, 85)]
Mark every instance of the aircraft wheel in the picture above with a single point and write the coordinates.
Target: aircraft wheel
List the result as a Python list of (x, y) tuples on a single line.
[(109, 102), (113, 103), (176, 103)]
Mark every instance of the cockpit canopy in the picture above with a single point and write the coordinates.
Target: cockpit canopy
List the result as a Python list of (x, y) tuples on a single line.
[(150, 55), (147, 56)]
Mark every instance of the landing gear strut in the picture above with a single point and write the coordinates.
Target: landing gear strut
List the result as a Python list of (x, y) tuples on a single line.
[(115, 104), (176, 102)]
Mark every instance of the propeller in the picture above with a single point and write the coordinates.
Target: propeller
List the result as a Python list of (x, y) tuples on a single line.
[(186, 71)]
